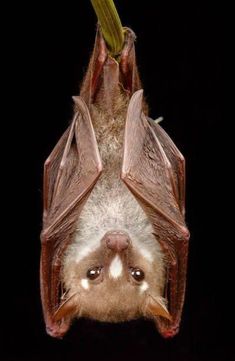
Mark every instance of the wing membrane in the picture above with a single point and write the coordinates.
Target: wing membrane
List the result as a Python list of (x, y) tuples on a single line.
[(149, 171), (71, 172)]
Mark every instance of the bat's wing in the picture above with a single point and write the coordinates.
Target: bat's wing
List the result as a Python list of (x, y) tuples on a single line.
[(70, 173), (153, 170), (177, 162)]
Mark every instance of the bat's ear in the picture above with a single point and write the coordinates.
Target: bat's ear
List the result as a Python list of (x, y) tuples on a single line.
[(67, 309), (156, 306)]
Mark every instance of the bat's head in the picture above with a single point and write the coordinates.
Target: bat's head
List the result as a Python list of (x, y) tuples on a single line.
[(116, 281)]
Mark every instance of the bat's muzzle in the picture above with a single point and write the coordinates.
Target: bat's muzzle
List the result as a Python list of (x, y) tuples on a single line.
[(117, 241)]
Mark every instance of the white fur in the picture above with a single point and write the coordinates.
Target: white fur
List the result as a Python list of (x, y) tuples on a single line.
[(110, 206), (84, 252), (115, 269), (85, 284), (144, 287), (146, 254)]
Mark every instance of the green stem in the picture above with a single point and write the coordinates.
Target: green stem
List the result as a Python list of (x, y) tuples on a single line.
[(111, 25)]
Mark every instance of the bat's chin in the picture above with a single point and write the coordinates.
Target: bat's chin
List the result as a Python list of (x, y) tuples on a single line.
[(114, 316)]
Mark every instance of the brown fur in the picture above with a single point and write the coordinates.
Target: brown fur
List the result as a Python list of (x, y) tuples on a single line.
[(112, 204), (84, 198)]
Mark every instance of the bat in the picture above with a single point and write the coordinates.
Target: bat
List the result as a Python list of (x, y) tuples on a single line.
[(114, 242)]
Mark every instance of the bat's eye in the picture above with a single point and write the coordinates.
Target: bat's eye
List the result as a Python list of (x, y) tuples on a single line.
[(94, 273), (137, 274)]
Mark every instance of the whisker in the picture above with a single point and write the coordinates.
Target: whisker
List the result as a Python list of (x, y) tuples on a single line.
[(61, 312)]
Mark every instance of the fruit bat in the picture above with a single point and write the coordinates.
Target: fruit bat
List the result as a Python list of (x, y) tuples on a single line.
[(114, 242)]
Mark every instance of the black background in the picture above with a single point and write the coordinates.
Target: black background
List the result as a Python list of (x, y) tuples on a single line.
[(179, 54)]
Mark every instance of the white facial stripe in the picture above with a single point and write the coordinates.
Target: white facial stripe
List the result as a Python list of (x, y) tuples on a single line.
[(85, 284), (115, 269), (144, 287), (146, 254)]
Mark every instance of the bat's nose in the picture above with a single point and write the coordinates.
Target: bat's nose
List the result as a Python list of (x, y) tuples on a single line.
[(117, 241)]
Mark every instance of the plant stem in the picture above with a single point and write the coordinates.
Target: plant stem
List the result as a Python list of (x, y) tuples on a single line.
[(111, 25)]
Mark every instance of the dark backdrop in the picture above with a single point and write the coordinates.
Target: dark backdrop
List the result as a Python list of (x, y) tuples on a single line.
[(179, 54)]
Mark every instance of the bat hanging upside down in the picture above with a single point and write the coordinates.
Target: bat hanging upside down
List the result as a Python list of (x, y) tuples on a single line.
[(114, 239)]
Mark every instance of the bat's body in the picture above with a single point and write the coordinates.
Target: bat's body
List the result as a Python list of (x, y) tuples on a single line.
[(112, 208), (114, 240)]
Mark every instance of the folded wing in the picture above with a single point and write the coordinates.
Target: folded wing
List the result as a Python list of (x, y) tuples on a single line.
[(153, 170), (70, 173)]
